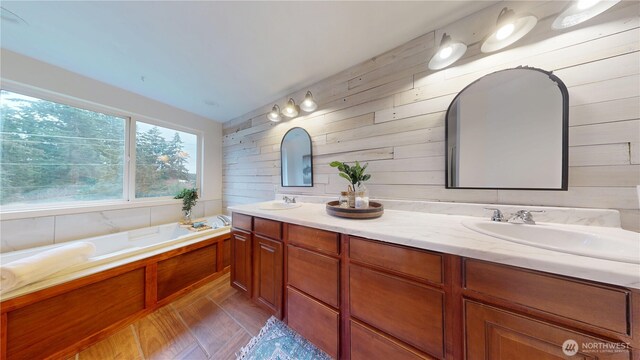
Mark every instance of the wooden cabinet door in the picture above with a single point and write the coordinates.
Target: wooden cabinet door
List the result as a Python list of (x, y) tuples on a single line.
[(267, 274), (241, 261), (368, 344), (409, 311), (314, 320), (494, 334), (315, 274)]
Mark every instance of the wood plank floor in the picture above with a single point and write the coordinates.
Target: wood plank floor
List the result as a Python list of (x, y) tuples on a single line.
[(212, 322)]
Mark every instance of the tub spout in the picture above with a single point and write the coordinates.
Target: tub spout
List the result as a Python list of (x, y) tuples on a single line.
[(225, 220)]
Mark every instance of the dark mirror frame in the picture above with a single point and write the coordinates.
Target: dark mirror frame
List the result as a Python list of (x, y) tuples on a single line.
[(565, 133), (310, 154)]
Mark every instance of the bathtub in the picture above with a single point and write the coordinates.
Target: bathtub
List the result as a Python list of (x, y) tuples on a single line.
[(116, 250)]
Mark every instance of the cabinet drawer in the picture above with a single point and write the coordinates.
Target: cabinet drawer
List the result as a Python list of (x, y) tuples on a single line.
[(367, 344), (268, 228), (492, 333), (314, 239), (412, 262), (316, 322), (317, 275), (241, 221), (408, 311), (592, 304)]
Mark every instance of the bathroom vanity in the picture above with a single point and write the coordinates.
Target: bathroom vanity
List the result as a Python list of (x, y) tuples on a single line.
[(422, 286)]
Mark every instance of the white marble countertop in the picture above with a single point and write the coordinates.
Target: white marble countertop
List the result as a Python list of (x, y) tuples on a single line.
[(445, 233)]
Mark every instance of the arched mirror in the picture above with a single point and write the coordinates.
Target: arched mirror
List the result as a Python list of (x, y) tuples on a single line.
[(509, 130), (296, 158)]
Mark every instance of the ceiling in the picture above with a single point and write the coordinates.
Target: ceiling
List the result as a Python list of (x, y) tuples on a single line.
[(217, 59)]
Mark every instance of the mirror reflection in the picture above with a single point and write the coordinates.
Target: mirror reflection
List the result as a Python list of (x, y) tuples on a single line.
[(508, 130), (296, 158)]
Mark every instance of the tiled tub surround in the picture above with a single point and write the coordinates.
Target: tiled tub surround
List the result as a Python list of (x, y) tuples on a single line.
[(389, 111), (24, 233), (445, 233)]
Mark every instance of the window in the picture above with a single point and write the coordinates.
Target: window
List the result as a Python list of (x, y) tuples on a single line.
[(52, 153), (165, 160)]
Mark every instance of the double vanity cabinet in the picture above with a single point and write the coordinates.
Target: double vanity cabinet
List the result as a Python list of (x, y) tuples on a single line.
[(359, 298)]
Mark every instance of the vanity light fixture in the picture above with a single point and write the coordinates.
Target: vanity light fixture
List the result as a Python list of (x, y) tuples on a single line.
[(308, 104), (275, 114), (580, 11), (291, 110), (448, 53), (509, 29)]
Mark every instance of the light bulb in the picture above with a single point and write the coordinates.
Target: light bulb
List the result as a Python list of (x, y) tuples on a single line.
[(308, 104), (274, 114), (291, 110), (586, 4), (505, 31), (510, 28), (581, 11), (446, 52), (449, 52)]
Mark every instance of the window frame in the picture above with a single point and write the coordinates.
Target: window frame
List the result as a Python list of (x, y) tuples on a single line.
[(132, 153), (128, 200)]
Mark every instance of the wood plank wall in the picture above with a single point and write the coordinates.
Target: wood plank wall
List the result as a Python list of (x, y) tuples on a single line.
[(389, 111)]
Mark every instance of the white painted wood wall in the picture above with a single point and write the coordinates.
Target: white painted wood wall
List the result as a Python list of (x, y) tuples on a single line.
[(389, 111)]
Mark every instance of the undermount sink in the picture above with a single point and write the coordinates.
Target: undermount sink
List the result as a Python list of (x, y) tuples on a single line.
[(278, 205), (562, 240)]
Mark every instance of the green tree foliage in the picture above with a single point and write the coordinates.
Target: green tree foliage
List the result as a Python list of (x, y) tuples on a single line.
[(160, 164), (54, 152), (51, 152)]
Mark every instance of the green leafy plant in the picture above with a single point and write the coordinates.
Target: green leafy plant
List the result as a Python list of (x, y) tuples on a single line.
[(354, 174), (189, 198)]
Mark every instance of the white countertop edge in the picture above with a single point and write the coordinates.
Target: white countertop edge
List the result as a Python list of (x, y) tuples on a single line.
[(444, 236)]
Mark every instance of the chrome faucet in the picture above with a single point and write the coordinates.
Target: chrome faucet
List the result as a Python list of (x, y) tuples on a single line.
[(225, 220), (523, 217), (497, 215), (289, 200)]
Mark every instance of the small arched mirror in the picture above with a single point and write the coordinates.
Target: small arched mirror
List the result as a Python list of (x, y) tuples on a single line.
[(296, 158), (509, 130)]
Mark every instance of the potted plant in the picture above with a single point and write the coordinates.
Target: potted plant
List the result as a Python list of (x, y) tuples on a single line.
[(189, 199), (355, 175)]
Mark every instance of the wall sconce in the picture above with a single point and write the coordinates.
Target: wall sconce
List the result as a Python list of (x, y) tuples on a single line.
[(448, 53), (275, 114), (292, 110), (580, 11), (509, 29), (308, 104)]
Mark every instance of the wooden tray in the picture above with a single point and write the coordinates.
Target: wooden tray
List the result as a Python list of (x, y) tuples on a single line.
[(374, 210)]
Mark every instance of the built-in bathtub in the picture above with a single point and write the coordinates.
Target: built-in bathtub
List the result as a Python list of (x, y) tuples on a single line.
[(131, 274), (114, 247)]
